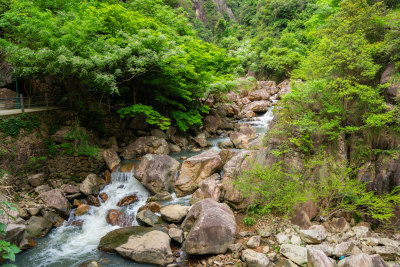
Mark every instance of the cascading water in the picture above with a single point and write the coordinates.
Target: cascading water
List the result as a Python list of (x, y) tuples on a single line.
[(69, 245), (72, 245)]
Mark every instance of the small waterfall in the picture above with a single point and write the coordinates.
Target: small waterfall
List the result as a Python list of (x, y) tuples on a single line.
[(71, 245)]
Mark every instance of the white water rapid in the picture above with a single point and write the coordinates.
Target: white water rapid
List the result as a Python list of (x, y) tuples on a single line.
[(71, 245)]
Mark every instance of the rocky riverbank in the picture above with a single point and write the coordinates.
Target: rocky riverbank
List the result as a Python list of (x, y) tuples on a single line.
[(210, 221)]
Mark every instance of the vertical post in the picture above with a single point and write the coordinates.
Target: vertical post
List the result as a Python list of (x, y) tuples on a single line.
[(16, 86), (47, 101), (22, 103)]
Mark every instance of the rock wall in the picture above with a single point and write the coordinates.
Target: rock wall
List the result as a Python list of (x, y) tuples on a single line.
[(74, 167)]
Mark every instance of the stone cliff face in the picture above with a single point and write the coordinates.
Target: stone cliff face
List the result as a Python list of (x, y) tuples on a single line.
[(220, 6)]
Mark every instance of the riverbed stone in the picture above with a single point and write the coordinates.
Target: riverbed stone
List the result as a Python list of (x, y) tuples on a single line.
[(260, 94), (157, 172), (255, 259), (294, 253), (242, 137), (14, 233), (125, 201), (153, 206), (111, 158), (196, 169), (211, 228), (37, 226), (55, 199), (360, 260), (37, 179), (209, 188), (176, 234), (254, 241), (211, 123), (145, 145), (91, 185), (346, 248), (240, 162), (82, 209), (317, 258), (151, 248), (256, 106), (378, 261), (314, 235), (120, 236), (174, 213), (201, 140), (120, 218), (147, 218)]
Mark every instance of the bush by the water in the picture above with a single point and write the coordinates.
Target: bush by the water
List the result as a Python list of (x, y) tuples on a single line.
[(329, 183)]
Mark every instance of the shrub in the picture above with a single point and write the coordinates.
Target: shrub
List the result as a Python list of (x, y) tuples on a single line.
[(7, 250), (280, 188)]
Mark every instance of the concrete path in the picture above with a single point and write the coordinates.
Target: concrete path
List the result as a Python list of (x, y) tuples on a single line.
[(7, 112)]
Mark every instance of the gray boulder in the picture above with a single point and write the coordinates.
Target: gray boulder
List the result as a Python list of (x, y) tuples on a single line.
[(294, 253), (157, 172), (209, 188), (196, 169), (55, 199), (255, 259), (317, 258), (174, 213), (91, 185), (38, 226), (147, 218), (145, 145), (360, 260), (176, 234), (242, 137), (111, 158), (314, 235), (151, 248), (211, 228)]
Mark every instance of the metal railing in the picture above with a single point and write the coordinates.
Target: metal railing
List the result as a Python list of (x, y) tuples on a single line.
[(23, 103)]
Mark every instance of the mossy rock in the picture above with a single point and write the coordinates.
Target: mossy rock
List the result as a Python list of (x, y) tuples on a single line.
[(120, 236)]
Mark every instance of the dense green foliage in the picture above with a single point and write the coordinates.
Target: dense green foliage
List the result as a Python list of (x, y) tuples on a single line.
[(7, 250), (142, 50), (280, 188), (12, 126)]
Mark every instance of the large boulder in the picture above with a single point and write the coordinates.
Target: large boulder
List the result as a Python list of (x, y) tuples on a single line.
[(120, 218), (196, 169), (111, 158), (152, 248), (211, 228), (147, 218), (15, 233), (255, 259), (157, 172), (144, 145), (256, 106), (260, 94), (38, 226), (314, 235), (211, 123), (209, 188), (91, 185), (242, 138), (174, 213), (317, 258), (240, 162), (201, 140), (118, 237), (55, 199), (360, 260), (295, 253)]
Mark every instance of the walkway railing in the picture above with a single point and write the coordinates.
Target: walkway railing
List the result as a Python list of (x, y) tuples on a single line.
[(23, 103)]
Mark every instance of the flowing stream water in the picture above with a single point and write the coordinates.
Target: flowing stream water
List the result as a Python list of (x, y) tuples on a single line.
[(69, 246)]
